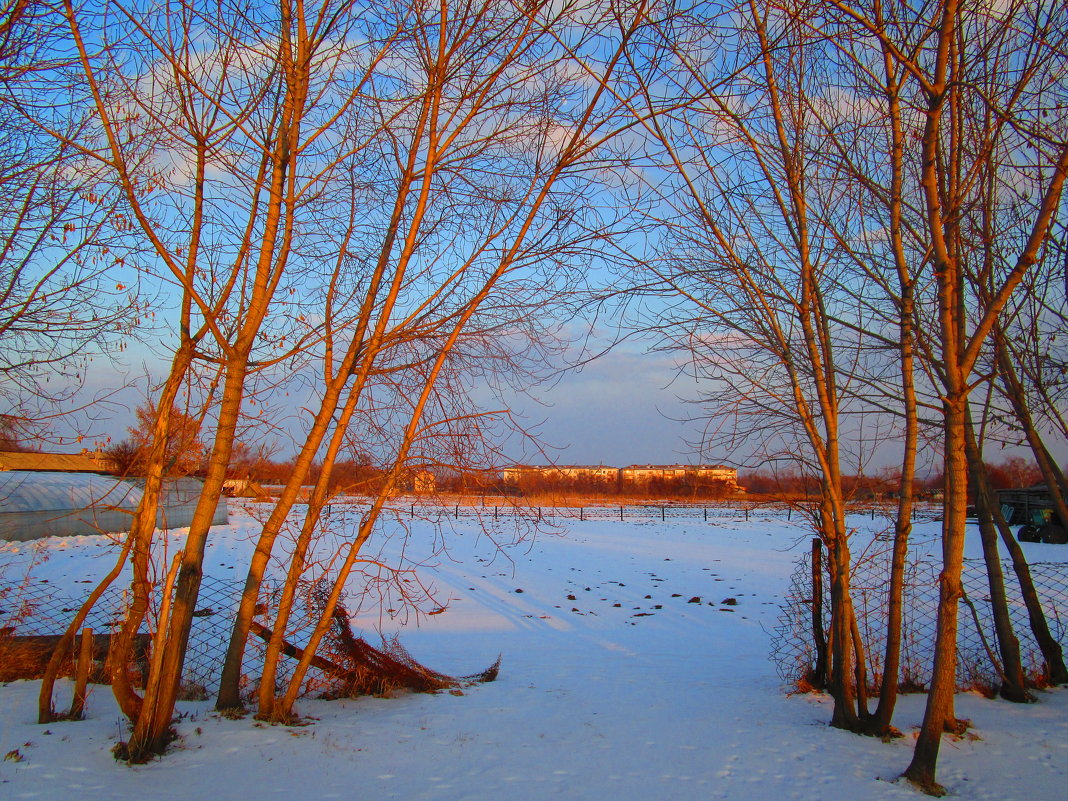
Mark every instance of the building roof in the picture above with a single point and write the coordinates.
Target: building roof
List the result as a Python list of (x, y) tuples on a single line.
[(687, 467), (677, 467), (84, 462)]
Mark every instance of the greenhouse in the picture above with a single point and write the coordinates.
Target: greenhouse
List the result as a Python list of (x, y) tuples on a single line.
[(64, 504)]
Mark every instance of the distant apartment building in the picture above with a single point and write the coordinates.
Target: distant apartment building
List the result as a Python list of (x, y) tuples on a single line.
[(521, 472), (635, 474), (644, 473)]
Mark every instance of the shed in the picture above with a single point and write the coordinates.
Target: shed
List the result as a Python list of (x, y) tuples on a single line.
[(84, 462)]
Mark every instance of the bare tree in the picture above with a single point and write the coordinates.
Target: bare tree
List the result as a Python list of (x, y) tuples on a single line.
[(1014, 390), (375, 195), (939, 91), (208, 148), (963, 62), (759, 276), (523, 221)]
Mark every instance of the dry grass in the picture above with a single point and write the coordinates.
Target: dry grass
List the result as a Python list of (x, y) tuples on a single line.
[(27, 657)]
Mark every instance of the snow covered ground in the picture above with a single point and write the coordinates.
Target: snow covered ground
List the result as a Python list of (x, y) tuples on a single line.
[(614, 685)]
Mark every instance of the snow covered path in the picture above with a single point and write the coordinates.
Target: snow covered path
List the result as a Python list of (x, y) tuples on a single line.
[(615, 684)]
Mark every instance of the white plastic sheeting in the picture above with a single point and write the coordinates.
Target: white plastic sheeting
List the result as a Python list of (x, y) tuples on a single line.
[(42, 504)]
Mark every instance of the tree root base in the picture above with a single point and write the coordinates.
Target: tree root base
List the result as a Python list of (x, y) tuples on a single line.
[(140, 754), (927, 786)]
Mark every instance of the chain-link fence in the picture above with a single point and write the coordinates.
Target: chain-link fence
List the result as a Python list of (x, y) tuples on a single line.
[(491, 507), (496, 508), (34, 609), (793, 646)]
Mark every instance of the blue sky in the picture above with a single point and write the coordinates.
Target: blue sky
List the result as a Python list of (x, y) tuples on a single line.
[(622, 408)]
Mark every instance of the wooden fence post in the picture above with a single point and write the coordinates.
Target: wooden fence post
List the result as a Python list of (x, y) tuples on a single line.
[(81, 676), (819, 671)]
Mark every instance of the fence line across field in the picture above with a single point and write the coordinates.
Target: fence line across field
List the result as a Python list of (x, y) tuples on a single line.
[(495, 507)]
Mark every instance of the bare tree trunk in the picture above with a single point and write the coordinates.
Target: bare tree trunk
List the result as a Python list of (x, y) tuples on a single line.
[(152, 725), (861, 671), (120, 651), (879, 724), (276, 643), (939, 715), (134, 750), (1013, 687), (942, 228), (841, 646), (1056, 671)]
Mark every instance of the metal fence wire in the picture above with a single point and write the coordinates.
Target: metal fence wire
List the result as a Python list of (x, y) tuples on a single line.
[(793, 650), (34, 609)]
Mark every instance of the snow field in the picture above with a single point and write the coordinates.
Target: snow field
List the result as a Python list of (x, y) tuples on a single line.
[(613, 685)]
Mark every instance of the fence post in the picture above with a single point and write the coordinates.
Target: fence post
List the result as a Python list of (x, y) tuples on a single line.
[(819, 670), (706, 514), (620, 514), (661, 512), (85, 660)]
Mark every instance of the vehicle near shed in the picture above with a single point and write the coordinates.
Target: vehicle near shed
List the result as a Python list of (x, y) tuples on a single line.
[(1032, 510)]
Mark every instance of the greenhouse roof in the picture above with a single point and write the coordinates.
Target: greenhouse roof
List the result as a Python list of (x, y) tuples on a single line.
[(29, 491)]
